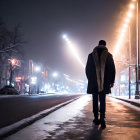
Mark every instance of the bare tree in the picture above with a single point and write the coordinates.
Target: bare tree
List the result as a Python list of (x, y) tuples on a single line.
[(11, 46)]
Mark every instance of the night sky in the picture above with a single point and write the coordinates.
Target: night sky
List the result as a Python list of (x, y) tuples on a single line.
[(45, 21)]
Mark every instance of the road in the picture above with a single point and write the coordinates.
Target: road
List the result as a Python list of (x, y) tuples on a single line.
[(75, 123), (17, 108)]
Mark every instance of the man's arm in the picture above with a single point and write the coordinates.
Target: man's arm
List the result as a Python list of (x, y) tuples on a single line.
[(113, 71), (87, 69)]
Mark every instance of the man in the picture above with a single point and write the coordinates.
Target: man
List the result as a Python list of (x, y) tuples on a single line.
[(100, 72)]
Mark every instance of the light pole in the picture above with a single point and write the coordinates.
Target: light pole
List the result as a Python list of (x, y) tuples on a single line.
[(129, 61), (30, 74), (137, 40)]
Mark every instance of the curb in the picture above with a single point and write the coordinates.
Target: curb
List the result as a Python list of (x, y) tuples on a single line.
[(11, 129), (131, 102)]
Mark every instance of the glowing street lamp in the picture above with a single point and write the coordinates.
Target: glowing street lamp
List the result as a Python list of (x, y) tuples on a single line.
[(127, 20), (73, 49), (64, 36), (132, 6), (129, 14), (123, 30), (55, 74), (37, 68), (125, 26)]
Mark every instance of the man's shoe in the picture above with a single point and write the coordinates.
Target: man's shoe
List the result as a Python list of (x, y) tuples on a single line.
[(103, 124), (96, 121)]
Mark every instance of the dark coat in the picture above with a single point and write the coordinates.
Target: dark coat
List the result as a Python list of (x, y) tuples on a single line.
[(109, 73)]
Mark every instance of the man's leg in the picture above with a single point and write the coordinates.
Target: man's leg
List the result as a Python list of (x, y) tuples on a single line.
[(102, 98), (95, 108)]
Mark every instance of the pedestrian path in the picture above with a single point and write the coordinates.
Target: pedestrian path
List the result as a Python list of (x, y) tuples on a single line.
[(133, 101), (74, 122)]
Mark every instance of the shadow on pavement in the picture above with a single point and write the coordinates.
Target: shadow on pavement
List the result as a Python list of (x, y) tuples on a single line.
[(95, 133)]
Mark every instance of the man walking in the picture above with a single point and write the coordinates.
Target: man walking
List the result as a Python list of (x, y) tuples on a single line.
[(100, 72)]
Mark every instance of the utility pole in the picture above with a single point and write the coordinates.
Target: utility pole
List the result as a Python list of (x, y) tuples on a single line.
[(138, 53), (129, 62), (30, 74)]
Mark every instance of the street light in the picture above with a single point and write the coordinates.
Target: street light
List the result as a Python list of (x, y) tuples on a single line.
[(127, 20), (129, 14), (132, 6), (37, 68), (64, 36), (55, 74), (73, 49), (138, 49), (125, 27)]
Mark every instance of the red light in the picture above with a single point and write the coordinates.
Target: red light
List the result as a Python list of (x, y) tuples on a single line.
[(14, 62)]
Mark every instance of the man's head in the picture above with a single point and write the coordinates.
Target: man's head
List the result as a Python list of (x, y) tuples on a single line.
[(102, 42)]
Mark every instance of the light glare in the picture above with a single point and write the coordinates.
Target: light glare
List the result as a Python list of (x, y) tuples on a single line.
[(64, 36), (129, 14), (37, 68), (55, 74), (73, 50), (132, 6), (127, 20), (125, 25)]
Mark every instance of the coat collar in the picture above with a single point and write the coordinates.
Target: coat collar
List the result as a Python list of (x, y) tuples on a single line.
[(100, 47)]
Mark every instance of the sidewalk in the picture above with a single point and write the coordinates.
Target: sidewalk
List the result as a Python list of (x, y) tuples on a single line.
[(132, 101), (74, 122)]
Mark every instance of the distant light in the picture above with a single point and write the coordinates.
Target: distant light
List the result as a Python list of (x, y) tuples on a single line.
[(124, 30), (37, 68), (33, 80), (55, 74), (125, 25), (129, 14), (64, 36), (14, 62), (127, 20), (123, 78), (132, 6)]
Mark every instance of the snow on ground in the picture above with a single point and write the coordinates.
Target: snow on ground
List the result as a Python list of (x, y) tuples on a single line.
[(43, 128)]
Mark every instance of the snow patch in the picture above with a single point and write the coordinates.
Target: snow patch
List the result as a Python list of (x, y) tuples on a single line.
[(46, 127)]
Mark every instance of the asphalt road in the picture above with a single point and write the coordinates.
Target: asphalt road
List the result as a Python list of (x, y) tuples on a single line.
[(123, 123), (17, 108)]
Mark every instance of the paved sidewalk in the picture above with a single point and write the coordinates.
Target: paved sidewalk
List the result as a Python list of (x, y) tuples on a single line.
[(132, 101), (74, 122)]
